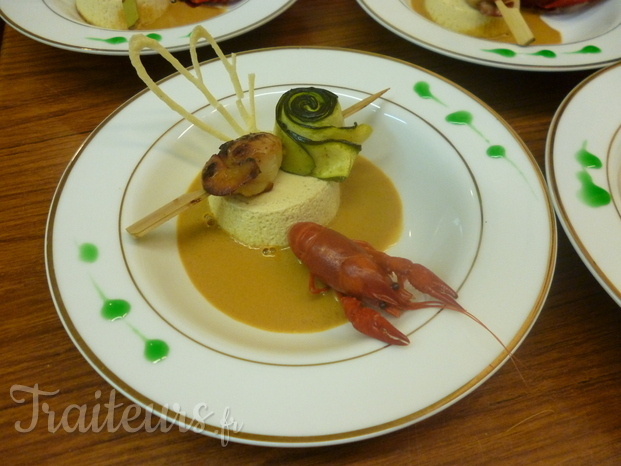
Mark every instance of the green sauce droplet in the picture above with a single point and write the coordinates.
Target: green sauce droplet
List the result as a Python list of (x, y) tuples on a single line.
[(591, 194), (155, 350), (460, 118), (503, 52), (424, 91), (586, 159), (114, 309), (496, 152), (111, 40), (88, 252), (121, 40), (545, 53), (589, 49), (464, 118)]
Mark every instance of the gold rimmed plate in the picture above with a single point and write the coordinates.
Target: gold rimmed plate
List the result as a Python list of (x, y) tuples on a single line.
[(475, 209), (590, 38), (58, 23), (583, 163)]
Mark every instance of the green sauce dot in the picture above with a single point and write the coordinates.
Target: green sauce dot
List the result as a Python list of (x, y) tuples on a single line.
[(114, 309), (589, 49), (588, 160), (545, 53), (503, 52), (460, 118), (591, 194), (496, 152), (111, 40), (423, 90), (155, 350), (88, 252)]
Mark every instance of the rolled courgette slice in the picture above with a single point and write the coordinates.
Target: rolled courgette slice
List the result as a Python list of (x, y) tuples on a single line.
[(316, 143)]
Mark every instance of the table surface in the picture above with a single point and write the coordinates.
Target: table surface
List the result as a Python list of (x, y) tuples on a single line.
[(563, 408)]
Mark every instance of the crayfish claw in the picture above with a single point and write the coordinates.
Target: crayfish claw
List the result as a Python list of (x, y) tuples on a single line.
[(371, 323), (427, 282)]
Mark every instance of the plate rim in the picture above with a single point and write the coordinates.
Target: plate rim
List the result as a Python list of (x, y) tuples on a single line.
[(316, 440)]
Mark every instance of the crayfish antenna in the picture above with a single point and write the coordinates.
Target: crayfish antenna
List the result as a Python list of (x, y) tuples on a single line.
[(459, 308), (427, 282)]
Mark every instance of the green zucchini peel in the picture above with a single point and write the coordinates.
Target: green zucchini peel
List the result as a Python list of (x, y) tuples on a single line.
[(310, 123)]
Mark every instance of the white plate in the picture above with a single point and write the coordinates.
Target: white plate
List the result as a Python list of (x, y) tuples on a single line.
[(58, 23), (591, 38), (587, 126), (484, 224)]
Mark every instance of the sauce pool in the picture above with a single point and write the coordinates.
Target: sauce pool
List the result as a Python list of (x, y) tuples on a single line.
[(269, 289)]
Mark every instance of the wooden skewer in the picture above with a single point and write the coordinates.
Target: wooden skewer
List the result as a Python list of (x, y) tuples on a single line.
[(363, 103), (516, 23), (165, 213), (187, 200)]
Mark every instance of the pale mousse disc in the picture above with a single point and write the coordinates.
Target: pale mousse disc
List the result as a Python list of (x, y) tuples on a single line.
[(109, 13), (263, 220), (459, 16)]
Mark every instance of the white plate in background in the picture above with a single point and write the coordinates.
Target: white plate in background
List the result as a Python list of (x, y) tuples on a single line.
[(583, 163), (591, 38), (58, 23)]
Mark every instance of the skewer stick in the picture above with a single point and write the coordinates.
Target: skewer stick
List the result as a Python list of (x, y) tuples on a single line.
[(165, 213), (187, 200), (363, 103), (516, 23)]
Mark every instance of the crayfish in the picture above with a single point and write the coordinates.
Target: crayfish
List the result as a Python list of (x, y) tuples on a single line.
[(362, 278)]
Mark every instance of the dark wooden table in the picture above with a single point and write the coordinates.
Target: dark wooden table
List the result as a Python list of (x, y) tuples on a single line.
[(567, 410)]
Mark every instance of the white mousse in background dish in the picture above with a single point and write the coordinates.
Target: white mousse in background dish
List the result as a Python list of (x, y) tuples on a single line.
[(460, 16), (263, 220), (111, 14)]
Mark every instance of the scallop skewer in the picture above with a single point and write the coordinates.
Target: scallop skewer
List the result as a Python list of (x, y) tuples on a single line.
[(187, 200)]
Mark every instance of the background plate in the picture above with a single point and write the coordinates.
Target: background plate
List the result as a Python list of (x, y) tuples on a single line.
[(591, 38), (58, 23), (583, 162)]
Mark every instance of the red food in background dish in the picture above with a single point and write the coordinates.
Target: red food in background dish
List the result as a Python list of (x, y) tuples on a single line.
[(488, 7), (198, 2), (551, 4)]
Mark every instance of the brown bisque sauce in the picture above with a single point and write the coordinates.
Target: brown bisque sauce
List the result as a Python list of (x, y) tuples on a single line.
[(181, 14), (269, 289)]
